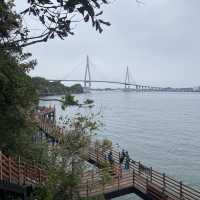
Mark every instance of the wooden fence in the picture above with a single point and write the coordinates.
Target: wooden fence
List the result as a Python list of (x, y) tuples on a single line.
[(20, 172), (152, 183)]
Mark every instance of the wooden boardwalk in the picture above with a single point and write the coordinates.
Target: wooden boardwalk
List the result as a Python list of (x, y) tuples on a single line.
[(17, 176), (20, 172), (139, 179)]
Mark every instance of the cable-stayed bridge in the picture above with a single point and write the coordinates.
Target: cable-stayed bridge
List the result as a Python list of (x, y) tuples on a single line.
[(128, 85)]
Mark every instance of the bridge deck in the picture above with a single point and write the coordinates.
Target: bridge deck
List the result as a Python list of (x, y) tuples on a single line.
[(138, 86)]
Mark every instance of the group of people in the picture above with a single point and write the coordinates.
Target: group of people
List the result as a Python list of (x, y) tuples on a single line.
[(123, 158)]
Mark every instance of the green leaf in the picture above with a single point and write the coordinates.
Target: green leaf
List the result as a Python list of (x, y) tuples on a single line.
[(105, 23)]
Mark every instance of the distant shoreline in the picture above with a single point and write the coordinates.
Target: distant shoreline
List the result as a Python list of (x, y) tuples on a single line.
[(57, 94), (46, 88)]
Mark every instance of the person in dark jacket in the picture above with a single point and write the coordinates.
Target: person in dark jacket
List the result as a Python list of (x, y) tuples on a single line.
[(110, 158), (122, 156), (127, 161)]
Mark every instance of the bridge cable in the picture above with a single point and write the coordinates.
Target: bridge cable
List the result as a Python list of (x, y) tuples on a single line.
[(96, 68), (72, 71)]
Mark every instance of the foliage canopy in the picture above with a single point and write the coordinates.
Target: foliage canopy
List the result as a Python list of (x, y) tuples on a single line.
[(57, 18)]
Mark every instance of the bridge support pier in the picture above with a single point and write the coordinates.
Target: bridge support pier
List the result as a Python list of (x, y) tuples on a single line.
[(87, 74), (127, 80)]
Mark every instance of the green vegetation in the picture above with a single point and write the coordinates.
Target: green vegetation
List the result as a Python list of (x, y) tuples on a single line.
[(17, 99), (45, 88), (66, 161), (19, 93)]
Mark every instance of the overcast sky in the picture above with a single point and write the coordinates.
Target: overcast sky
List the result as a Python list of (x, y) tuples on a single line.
[(159, 41)]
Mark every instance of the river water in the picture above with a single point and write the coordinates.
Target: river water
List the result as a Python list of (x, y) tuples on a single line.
[(160, 129)]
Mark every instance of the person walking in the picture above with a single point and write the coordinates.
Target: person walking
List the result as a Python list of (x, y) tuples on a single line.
[(110, 158), (123, 153), (122, 156), (127, 155), (127, 163)]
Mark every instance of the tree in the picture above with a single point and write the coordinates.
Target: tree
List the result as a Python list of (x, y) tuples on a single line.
[(17, 98), (17, 94), (57, 19)]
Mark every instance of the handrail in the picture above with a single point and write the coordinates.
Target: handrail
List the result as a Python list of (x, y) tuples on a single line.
[(20, 172), (141, 176)]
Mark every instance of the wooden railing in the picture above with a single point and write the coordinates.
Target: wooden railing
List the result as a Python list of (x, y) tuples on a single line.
[(145, 179), (150, 182), (20, 172)]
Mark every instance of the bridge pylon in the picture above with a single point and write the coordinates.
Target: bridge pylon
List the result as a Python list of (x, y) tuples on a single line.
[(127, 79), (87, 79)]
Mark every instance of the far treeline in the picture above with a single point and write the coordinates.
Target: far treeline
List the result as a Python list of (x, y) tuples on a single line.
[(46, 88)]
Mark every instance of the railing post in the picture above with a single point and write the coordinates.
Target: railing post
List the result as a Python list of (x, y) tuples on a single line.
[(139, 167), (133, 177), (19, 169), (25, 172), (147, 183), (181, 190), (97, 154), (151, 174), (1, 163), (9, 168), (87, 189), (164, 184), (118, 183)]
